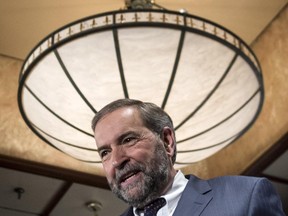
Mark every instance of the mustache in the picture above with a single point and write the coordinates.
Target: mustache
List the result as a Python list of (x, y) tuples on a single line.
[(127, 170)]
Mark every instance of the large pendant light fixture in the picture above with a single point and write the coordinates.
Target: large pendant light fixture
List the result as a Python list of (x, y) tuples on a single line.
[(202, 74)]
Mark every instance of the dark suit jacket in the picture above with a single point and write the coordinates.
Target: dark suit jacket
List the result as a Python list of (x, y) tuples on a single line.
[(227, 196)]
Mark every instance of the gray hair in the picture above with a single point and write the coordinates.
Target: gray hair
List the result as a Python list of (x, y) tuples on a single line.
[(153, 117)]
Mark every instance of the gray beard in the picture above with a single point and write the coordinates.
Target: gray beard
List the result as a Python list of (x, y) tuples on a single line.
[(155, 179)]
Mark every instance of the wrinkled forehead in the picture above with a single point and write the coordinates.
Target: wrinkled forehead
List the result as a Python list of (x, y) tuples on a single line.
[(118, 120), (123, 113)]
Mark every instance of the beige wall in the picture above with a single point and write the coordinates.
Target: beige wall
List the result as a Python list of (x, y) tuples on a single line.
[(18, 141)]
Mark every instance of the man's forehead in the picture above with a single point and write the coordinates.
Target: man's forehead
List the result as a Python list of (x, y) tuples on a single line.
[(123, 112), (115, 124), (120, 115)]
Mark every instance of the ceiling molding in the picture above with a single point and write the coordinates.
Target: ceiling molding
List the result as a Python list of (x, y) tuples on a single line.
[(53, 171)]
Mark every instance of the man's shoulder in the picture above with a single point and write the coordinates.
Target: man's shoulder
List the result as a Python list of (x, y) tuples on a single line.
[(230, 182), (227, 178), (235, 180)]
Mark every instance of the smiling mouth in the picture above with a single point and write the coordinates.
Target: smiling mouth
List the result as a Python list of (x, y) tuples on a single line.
[(128, 176)]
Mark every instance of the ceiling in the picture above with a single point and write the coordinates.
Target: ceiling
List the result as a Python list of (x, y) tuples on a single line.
[(24, 23), (40, 192)]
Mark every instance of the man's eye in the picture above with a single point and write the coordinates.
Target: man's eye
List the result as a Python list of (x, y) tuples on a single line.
[(129, 140), (103, 153)]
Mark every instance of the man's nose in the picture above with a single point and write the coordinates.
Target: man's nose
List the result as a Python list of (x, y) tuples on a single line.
[(119, 157)]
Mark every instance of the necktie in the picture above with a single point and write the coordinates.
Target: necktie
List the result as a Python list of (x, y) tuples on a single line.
[(152, 208)]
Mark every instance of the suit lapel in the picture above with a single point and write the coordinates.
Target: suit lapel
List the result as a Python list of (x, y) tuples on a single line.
[(195, 197)]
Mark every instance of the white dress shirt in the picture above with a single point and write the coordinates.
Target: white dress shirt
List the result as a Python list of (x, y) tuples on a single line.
[(172, 197)]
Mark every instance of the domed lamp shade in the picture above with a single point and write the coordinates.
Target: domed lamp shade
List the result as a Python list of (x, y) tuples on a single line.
[(202, 74)]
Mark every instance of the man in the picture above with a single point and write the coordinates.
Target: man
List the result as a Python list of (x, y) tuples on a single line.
[(136, 143)]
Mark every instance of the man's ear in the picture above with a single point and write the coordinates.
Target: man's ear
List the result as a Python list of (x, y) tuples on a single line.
[(169, 140)]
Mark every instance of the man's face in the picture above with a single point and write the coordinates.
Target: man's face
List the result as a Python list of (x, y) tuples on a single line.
[(137, 165)]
